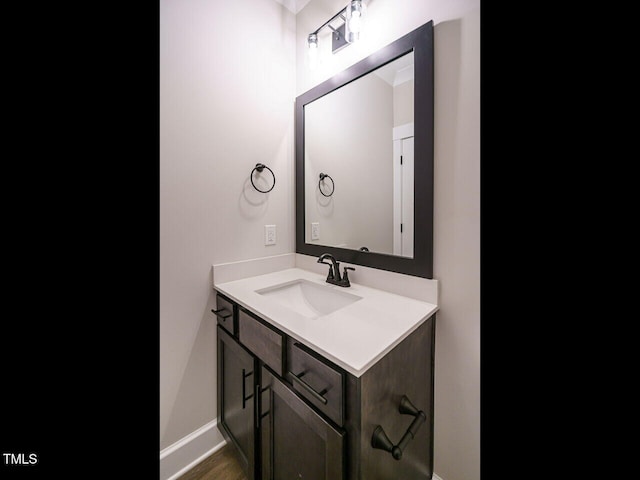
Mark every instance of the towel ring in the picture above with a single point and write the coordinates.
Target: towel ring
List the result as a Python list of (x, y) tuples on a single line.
[(259, 167), (322, 177)]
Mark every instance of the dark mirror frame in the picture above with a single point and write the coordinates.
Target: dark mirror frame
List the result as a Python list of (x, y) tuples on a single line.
[(420, 41)]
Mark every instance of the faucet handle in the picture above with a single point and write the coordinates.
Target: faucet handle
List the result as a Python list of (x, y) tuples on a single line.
[(345, 277)]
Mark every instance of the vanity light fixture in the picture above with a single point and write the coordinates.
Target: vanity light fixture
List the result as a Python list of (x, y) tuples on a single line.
[(346, 33)]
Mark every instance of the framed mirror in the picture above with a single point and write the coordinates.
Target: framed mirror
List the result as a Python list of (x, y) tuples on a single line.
[(364, 160)]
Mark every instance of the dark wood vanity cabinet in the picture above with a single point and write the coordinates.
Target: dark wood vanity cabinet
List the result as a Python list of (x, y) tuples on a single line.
[(236, 399), (374, 399), (227, 313), (293, 414), (296, 441)]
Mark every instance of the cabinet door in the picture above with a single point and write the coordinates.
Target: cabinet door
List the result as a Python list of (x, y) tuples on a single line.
[(296, 442), (236, 371)]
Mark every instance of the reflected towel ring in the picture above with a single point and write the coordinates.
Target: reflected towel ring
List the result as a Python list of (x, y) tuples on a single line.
[(322, 177), (259, 167)]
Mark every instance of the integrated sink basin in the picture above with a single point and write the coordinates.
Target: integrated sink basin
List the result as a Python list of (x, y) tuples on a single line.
[(309, 299)]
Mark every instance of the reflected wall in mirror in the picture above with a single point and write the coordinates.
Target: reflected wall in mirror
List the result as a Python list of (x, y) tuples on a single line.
[(354, 199), (367, 152)]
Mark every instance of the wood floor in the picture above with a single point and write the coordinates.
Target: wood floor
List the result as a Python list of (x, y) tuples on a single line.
[(222, 465)]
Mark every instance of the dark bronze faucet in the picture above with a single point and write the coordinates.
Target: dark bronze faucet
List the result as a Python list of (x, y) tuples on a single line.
[(334, 271)]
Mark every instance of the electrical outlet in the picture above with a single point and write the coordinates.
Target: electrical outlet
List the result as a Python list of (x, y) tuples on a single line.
[(315, 231), (269, 234)]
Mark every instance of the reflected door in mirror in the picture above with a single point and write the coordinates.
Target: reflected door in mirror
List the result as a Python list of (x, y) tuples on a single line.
[(403, 182)]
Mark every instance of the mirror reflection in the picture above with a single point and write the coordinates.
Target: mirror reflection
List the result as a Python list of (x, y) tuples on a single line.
[(359, 163)]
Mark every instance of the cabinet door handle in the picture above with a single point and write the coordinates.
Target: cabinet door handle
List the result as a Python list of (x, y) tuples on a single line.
[(259, 411), (223, 313), (317, 395), (244, 398), (260, 390)]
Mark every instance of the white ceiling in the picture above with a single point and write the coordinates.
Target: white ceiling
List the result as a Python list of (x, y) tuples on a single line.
[(293, 6)]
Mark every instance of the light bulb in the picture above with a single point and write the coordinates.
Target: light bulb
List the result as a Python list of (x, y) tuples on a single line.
[(354, 20), (312, 40), (313, 50), (355, 23)]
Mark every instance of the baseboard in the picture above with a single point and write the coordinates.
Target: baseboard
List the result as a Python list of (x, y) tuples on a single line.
[(187, 452), (435, 477)]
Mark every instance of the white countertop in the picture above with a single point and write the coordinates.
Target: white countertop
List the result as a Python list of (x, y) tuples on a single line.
[(354, 337)]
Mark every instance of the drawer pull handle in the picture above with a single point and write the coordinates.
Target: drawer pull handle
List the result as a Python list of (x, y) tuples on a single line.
[(223, 313), (317, 395), (380, 440), (244, 399)]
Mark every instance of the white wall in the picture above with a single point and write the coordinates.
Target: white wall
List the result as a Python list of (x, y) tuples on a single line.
[(457, 196), (227, 85), (403, 103), (344, 131)]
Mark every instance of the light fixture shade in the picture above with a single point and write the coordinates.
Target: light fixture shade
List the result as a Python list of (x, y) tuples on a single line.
[(312, 41), (354, 13)]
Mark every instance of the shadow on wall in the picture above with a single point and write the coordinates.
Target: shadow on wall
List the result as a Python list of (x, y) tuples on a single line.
[(251, 203), (447, 52), (195, 404)]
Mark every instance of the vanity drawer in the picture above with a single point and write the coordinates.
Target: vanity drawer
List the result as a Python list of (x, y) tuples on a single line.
[(265, 343), (316, 381), (225, 312)]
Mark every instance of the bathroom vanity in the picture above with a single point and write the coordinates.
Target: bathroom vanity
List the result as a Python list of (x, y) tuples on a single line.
[(319, 379), (311, 376)]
